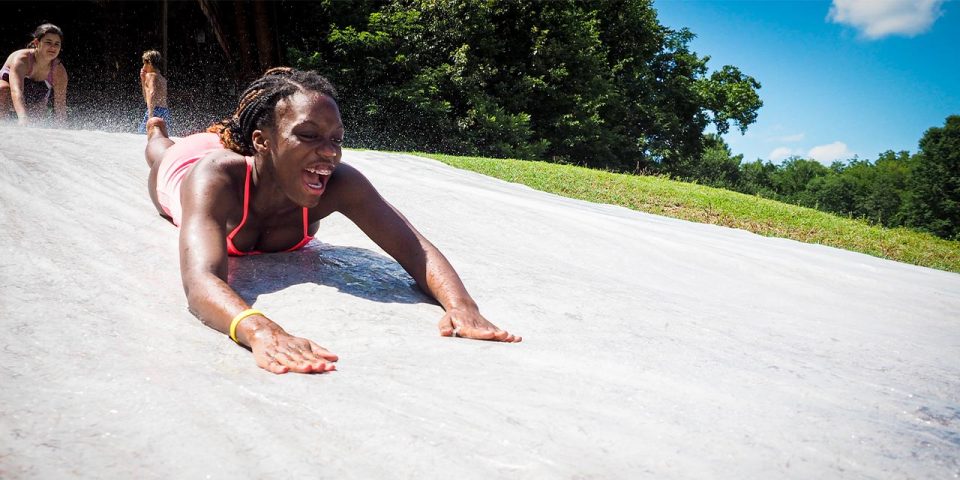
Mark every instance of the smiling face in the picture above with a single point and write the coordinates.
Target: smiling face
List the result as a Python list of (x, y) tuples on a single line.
[(305, 145), (48, 46)]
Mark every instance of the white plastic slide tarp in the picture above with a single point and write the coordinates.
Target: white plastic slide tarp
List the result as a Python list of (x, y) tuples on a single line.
[(653, 347)]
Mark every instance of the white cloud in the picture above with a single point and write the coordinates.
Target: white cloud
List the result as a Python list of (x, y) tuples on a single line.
[(826, 154), (880, 18), (781, 153)]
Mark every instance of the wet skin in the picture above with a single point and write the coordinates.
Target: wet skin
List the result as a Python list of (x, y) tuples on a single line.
[(297, 164), (153, 86)]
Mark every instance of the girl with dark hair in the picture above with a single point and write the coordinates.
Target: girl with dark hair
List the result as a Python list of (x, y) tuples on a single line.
[(30, 75), (260, 181)]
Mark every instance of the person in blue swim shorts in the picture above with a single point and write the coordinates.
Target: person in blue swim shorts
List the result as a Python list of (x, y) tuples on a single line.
[(154, 86)]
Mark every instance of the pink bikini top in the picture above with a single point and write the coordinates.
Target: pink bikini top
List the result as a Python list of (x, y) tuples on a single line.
[(232, 249), (5, 74)]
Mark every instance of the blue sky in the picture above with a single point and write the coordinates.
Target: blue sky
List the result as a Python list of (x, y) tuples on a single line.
[(839, 78)]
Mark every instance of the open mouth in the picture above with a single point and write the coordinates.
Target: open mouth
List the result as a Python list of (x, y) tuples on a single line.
[(315, 178)]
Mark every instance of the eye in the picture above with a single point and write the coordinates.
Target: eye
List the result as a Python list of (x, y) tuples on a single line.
[(337, 140)]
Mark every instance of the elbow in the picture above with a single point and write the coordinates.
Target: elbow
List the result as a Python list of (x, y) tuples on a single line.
[(193, 302), (194, 296), (195, 307)]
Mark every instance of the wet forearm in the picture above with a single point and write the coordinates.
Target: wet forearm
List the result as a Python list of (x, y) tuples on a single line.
[(442, 282), (16, 96), (215, 303)]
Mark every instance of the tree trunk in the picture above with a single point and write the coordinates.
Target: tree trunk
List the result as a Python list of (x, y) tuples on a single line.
[(211, 11), (265, 30), (247, 67)]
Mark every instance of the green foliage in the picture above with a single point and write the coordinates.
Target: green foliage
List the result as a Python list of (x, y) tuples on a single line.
[(831, 192), (593, 82), (732, 97), (717, 166), (874, 191), (934, 187), (791, 179), (756, 178), (598, 83)]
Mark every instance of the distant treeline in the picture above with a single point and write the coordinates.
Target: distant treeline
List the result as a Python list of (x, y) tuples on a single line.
[(598, 83), (897, 189)]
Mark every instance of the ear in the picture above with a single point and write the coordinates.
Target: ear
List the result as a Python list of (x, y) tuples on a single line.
[(261, 143)]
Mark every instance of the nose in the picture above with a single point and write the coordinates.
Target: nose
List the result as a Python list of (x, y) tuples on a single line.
[(328, 150)]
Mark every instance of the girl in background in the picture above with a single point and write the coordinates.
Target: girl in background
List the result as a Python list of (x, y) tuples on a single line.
[(32, 75)]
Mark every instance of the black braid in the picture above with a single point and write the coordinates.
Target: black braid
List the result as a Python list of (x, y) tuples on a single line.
[(259, 100)]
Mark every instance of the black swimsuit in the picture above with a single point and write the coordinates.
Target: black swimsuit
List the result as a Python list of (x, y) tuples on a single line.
[(35, 92)]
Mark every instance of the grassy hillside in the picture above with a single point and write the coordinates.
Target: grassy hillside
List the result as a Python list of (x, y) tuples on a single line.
[(721, 207)]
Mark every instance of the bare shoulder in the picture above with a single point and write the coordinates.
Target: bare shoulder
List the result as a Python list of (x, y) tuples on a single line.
[(60, 73), (216, 178), (219, 169), (350, 188), (18, 59)]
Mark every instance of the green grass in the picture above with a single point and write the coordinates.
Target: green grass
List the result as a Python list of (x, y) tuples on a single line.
[(703, 204)]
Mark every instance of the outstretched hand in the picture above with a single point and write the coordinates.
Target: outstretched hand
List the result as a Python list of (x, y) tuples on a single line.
[(471, 324), (280, 352)]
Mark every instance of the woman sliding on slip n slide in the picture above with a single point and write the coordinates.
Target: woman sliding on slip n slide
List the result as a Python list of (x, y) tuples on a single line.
[(259, 182)]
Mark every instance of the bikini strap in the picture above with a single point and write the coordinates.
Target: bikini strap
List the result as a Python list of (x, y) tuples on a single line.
[(306, 237), (30, 61), (306, 224)]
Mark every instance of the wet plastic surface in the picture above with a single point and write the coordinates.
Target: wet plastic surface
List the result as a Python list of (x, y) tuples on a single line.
[(652, 347)]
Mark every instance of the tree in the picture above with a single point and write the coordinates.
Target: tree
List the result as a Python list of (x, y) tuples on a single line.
[(717, 166), (887, 198), (878, 188), (934, 186), (253, 56), (664, 98), (791, 180), (831, 192), (595, 82), (730, 96), (756, 178)]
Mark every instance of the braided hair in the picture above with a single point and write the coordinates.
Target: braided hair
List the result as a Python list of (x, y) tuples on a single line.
[(258, 102)]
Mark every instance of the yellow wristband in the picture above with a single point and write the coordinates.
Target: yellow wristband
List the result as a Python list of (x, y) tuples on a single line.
[(240, 316)]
